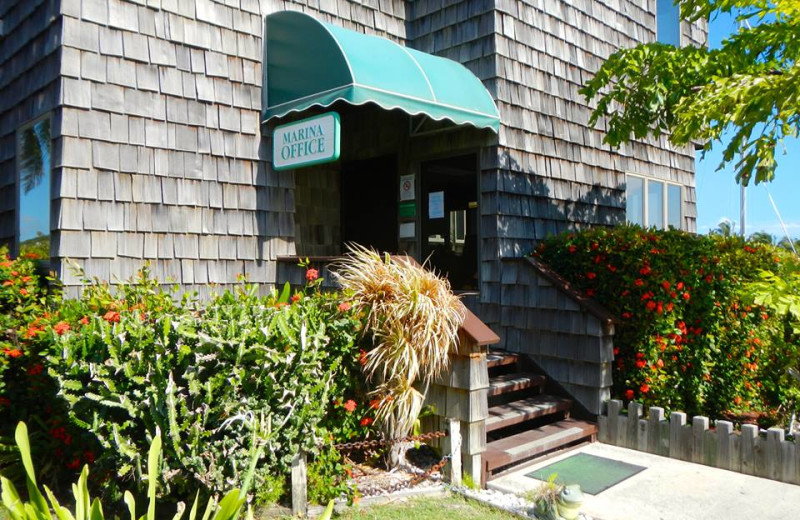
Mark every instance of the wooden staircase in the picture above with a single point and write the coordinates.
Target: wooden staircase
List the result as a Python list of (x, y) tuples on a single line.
[(524, 421)]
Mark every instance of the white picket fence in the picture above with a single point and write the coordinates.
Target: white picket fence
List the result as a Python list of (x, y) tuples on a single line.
[(747, 451)]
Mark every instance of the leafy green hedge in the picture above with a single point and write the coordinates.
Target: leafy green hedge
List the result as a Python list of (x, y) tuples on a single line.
[(686, 337), (99, 377)]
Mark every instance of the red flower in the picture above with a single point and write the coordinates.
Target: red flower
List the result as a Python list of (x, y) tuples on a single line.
[(26, 279), (627, 315), (61, 327), (13, 353), (111, 317), (595, 245), (590, 293), (629, 394), (88, 456), (641, 363), (679, 286), (31, 256), (651, 305), (7, 283), (14, 273), (296, 298), (666, 285), (35, 370), (366, 421), (612, 268), (616, 351), (350, 405), (638, 282), (660, 363), (644, 271), (686, 296), (375, 404), (572, 249), (312, 274), (84, 320), (74, 464), (23, 292), (644, 388), (670, 306), (344, 307), (591, 276), (32, 331)]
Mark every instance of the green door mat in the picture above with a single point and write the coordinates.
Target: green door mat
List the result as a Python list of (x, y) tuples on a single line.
[(594, 474)]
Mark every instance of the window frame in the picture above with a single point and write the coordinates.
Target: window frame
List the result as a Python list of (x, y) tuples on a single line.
[(18, 178), (664, 198)]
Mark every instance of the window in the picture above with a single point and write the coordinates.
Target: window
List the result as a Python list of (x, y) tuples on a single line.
[(33, 163), (668, 22), (653, 203)]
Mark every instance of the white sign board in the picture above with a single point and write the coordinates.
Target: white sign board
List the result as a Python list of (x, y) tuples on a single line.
[(303, 143), (407, 187)]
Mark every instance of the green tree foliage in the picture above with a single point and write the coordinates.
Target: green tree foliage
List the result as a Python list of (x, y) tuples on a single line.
[(749, 88)]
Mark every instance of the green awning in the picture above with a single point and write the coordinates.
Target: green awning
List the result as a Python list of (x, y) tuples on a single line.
[(312, 63)]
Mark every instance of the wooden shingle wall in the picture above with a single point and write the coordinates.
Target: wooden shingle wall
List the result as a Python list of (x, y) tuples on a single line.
[(29, 71), (160, 155), (573, 345)]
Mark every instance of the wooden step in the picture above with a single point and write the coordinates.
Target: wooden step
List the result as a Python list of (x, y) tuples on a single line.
[(525, 445), (507, 383), (499, 358), (515, 412)]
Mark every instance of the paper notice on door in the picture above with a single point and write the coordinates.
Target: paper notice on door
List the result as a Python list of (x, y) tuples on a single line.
[(408, 230), (436, 204), (406, 187)]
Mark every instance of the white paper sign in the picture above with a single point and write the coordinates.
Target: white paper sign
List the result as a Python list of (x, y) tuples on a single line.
[(436, 204), (407, 187), (407, 230), (311, 141)]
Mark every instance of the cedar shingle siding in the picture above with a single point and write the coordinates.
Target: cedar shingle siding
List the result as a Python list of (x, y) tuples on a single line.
[(158, 152)]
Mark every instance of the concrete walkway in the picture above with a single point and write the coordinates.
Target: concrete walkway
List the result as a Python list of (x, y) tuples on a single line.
[(673, 490)]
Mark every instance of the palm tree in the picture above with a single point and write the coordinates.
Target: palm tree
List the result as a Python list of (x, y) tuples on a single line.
[(725, 228), (34, 154), (761, 237)]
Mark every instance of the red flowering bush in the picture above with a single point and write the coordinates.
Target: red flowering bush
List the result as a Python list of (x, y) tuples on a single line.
[(685, 338)]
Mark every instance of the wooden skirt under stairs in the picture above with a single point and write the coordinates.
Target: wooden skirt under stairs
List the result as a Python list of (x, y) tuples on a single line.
[(525, 422)]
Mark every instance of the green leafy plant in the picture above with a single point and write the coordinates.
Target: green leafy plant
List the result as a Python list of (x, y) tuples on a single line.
[(37, 508), (686, 335)]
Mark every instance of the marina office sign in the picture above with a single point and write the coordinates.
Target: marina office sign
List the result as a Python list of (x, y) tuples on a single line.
[(303, 143)]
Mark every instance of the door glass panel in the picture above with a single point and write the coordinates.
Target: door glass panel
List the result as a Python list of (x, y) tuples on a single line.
[(33, 159), (668, 23), (450, 219)]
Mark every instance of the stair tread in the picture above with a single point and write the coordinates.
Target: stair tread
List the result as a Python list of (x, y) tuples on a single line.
[(512, 382), (499, 358), (523, 410), (527, 444)]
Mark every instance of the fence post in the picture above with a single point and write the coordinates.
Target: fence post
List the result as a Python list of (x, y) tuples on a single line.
[(656, 415), (676, 422), (634, 414), (614, 407), (748, 448), (699, 427), (774, 453), (299, 485), (454, 431)]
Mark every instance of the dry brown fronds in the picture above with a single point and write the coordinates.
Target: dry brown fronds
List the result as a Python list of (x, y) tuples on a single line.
[(414, 318)]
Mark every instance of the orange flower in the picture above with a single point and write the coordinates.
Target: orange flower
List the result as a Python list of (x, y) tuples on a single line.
[(366, 421), (7, 283), (111, 317), (61, 327), (14, 273), (312, 274), (13, 353), (344, 307), (644, 388), (26, 279), (23, 292), (296, 298), (375, 404), (686, 296), (84, 320), (350, 405), (362, 357)]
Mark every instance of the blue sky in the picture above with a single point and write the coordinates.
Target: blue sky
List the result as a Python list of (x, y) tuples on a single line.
[(718, 193)]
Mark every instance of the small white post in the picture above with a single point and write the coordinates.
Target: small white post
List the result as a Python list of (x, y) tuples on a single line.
[(299, 485), (454, 431)]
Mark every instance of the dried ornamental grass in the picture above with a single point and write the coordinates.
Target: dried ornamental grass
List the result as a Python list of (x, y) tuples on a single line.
[(414, 318)]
